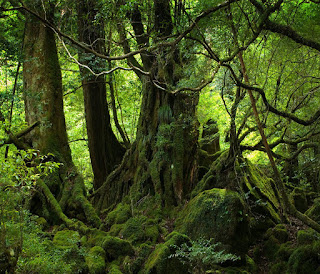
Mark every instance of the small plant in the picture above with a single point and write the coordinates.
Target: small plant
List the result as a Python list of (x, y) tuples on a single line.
[(202, 255)]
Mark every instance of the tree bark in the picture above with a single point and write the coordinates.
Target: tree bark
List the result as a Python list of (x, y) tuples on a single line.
[(44, 102), (105, 150), (163, 160)]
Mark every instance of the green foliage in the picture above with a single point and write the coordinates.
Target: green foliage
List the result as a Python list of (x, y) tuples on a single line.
[(202, 254)]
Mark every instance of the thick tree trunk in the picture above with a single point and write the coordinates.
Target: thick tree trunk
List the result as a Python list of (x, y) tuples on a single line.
[(163, 160), (105, 150), (44, 103)]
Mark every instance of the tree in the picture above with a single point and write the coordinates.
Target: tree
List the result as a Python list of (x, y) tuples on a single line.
[(43, 103), (105, 150)]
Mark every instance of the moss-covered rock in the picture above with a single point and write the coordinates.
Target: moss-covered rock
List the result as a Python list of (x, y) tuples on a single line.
[(66, 238), (284, 252), (218, 214), (116, 247), (306, 237), (119, 215), (113, 246), (279, 232), (96, 260), (251, 265), (271, 247), (160, 261), (305, 259)]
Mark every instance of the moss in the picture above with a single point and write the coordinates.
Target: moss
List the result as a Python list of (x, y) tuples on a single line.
[(314, 211), (218, 214), (305, 259), (96, 260), (42, 222), (133, 229), (113, 246), (134, 264), (271, 247), (299, 199), (113, 268), (277, 268), (279, 232), (140, 229), (308, 236), (115, 229), (119, 215), (116, 247), (251, 265), (284, 252), (66, 238), (159, 261)]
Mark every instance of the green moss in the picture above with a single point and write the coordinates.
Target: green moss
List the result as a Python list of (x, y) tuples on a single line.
[(271, 247), (308, 236), (133, 229), (279, 232), (113, 246), (96, 260), (305, 259), (277, 268), (299, 199), (159, 261), (251, 265), (218, 214), (135, 264), (42, 222), (284, 252), (66, 238), (119, 215), (314, 211), (113, 268), (115, 229), (116, 247)]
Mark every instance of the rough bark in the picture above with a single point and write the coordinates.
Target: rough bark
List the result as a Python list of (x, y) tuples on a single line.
[(44, 103), (105, 150), (163, 160)]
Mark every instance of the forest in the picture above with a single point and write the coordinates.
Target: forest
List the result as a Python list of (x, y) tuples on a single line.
[(159, 136)]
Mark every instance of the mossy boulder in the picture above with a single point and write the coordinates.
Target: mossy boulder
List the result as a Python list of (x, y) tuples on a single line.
[(119, 215), (305, 259), (66, 238), (113, 246), (219, 214), (279, 232), (277, 268), (160, 261), (314, 211), (307, 236), (96, 260), (116, 247)]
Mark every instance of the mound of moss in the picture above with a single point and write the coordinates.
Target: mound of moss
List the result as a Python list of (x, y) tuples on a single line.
[(96, 260), (219, 214), (160, 260)]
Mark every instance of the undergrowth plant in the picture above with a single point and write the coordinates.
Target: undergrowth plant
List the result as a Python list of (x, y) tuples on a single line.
[(202, 255)]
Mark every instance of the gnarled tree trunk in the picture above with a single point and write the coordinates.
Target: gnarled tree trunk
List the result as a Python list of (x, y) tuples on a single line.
[(163, 160)]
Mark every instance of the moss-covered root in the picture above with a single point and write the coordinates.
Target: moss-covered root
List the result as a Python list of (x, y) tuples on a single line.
[(82, 201), (58, 211)]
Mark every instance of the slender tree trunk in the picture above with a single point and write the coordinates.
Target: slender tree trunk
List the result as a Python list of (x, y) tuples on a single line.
[(105, 150), (44, 103)]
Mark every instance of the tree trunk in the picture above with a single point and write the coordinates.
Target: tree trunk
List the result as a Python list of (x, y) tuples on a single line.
[(44, 102), (163, 160), (105, 150)]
